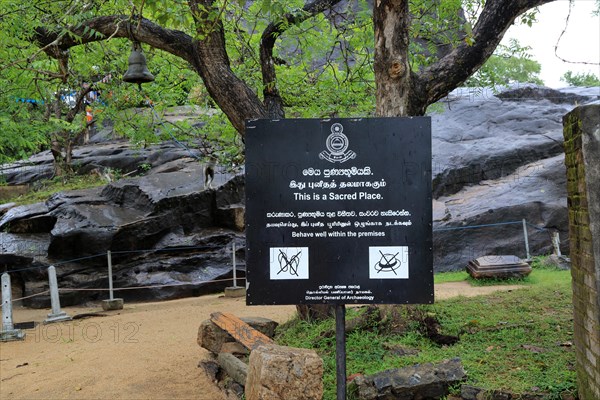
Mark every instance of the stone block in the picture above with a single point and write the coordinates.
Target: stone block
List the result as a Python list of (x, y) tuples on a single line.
[(498, 267), (114, 304), (421, 381), (212, 338), (57, 317), (468, 392), (284, 373), (235, 291)]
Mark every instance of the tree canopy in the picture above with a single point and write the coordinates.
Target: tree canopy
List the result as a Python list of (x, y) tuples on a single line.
[(250, 59), (580, 79), (508, 64)]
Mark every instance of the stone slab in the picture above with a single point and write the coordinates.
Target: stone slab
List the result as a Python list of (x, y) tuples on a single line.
[(239, 330), (235, 291), (499, 267), (114, 304)]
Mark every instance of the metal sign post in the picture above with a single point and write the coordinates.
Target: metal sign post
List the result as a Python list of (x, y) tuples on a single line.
[(340, 350), (339, 212)]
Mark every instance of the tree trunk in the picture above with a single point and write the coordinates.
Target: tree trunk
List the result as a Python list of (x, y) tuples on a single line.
[(391, 20)]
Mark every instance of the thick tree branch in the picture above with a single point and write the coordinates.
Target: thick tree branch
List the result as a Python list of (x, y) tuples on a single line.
[(235, 98), (439, 79), (272, 98), (207, 55), (117, 26)]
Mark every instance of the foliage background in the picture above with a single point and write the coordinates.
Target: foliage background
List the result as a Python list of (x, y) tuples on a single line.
[(324, 67)]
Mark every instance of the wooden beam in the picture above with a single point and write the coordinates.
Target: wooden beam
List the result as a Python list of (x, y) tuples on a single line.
[(239, 330)]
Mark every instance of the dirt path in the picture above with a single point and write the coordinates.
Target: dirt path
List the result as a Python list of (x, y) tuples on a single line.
[(145, 351)]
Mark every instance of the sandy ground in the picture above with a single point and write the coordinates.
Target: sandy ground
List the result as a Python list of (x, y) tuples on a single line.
[(145, 351)]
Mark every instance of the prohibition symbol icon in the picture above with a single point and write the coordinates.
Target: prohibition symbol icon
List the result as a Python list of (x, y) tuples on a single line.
[(288, 264), (388, 262)]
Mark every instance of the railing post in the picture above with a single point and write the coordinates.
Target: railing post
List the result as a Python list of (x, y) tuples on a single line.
[(234, 265), (526, 239), (8, 331), (56, 315), (556, 243), (111, 303), (110, 276), (235, 290)]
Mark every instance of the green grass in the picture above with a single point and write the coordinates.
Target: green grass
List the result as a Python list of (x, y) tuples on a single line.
[(454, 276), (517, 341)]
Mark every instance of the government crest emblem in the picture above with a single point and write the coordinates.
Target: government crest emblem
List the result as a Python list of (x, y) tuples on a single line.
[(337, 146)]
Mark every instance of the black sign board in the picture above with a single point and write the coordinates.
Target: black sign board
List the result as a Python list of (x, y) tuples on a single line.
[(339, 211)]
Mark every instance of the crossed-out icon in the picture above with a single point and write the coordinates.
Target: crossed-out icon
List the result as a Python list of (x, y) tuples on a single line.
[(288, 264), (388, 262)]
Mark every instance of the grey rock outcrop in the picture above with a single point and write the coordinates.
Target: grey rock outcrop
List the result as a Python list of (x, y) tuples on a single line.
[(116, 155), (164, 230)]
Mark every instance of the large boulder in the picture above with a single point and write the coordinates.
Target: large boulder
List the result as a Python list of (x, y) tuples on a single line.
[(535, 192), (163, 230)]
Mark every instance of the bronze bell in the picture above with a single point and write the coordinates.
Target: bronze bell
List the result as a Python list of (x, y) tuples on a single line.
[(137, 72)]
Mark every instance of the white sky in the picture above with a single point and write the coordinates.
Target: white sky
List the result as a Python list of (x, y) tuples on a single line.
[(579, 43)]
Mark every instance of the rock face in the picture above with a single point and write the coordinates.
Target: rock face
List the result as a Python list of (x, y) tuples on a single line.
[(421, 381), (283, 373), (163, 229), (117, 155), (499, 159)]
